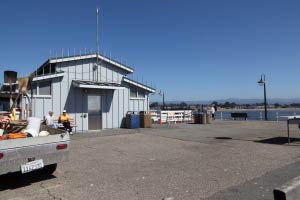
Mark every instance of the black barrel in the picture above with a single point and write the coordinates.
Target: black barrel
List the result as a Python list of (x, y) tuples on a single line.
[(10, 76)]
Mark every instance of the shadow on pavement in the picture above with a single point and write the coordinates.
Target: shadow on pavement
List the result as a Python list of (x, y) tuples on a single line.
[(18, 180), (278, 140), (274, 140), (223, 138)]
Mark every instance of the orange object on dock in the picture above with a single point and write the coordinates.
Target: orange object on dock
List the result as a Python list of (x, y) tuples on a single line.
[(16, 135)]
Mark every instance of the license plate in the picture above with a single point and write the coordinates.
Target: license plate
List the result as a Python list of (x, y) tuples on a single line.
[(31, 166)]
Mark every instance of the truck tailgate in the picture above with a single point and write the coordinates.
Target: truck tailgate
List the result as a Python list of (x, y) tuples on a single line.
[(20, 151)]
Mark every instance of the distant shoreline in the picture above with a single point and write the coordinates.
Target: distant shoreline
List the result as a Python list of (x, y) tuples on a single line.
[(257, 109)]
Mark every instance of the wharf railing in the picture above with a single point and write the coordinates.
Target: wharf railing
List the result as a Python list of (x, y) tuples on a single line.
[(172, 116), (273, 115)]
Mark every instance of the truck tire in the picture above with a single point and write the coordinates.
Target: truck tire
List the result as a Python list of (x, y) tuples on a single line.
[(49, 169)]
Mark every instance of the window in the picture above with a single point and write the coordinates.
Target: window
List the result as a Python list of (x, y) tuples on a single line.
[(141, 94), (45, 88), (133, 92), (33, 86)]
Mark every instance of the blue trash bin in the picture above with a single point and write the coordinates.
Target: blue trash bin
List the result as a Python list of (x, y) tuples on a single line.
[(132, 120)]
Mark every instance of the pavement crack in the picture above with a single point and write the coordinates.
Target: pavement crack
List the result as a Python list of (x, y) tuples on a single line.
[(89, 147), (49, 192), (178, 139), (120, 152)]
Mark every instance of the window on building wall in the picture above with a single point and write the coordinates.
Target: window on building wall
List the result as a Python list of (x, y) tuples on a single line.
[(141, 94), (133, 92), (33, 87), (45, 88)]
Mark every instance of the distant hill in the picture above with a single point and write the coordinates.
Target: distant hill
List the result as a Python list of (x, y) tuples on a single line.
[(242, 101)]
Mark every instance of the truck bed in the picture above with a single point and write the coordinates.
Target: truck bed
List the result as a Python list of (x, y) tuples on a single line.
[(17, 152)]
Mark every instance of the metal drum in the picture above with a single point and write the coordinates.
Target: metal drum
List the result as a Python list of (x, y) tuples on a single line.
[(10, 76)]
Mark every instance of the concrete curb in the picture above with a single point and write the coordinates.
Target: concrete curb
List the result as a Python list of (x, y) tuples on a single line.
[(289, 191)]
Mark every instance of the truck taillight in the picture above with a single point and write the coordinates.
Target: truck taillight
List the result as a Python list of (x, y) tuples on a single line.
[(1, 155), (61, 146)]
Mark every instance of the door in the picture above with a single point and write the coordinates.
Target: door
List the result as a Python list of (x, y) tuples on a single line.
[(94, 112)]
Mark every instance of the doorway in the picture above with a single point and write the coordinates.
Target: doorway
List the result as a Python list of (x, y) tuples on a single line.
[(94, 112)]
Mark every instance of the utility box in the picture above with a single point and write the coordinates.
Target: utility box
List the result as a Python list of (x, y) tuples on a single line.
[(208, 117), (145, 120), (203, 118), (132, 120)]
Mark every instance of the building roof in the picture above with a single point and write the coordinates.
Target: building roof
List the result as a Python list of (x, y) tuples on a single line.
[(107, 85), (48, 76), (96, 85), (87, 56), (139, 85)]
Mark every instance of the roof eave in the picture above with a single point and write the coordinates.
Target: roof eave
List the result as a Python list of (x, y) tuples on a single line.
[(44, 64), (94, 86), (150, 90), (128, 69), (115, 63)]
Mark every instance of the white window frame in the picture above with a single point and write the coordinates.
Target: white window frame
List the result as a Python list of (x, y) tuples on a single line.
[(137, 95), (38, 88)]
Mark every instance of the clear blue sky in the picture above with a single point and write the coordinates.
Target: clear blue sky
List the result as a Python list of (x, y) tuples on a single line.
[(194, 49)]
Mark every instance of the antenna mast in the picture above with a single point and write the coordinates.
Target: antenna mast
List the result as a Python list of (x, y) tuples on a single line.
[(97, 42), (97, 33)]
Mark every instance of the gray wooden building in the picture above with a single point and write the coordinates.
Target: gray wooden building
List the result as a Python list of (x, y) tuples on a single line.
[(94, 89)]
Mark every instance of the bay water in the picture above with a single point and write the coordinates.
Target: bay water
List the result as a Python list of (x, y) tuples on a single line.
[(273, 115)]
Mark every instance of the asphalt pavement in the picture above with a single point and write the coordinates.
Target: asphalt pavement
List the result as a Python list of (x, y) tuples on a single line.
[(222, 160)]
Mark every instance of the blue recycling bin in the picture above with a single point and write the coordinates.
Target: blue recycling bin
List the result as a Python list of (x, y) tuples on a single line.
[(132, 120)]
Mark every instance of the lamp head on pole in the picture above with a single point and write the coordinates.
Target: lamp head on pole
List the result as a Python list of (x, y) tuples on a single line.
[(262, 81), (161, 92)]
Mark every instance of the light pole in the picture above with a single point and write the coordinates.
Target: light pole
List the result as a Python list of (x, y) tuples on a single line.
[(162, 93), (262, 82)]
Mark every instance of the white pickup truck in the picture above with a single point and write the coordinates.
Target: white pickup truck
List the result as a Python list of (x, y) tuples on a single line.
[(34, 153)]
